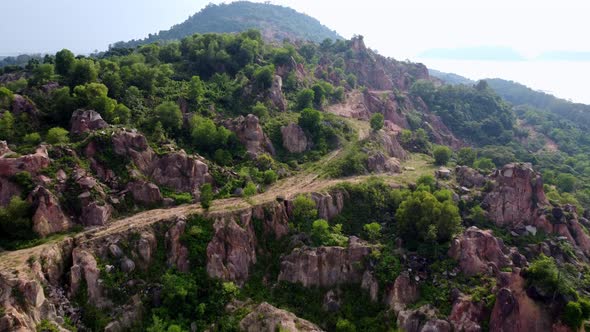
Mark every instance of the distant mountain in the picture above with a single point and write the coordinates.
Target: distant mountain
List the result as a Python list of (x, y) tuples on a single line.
[(520, 95), (275, 22), (473, 53), (450, 78)]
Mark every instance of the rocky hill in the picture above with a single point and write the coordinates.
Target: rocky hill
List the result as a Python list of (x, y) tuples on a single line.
[(275, 22), (224, 183)]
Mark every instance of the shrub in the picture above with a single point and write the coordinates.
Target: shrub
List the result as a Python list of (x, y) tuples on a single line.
[(32, 139), (15, 219), (572, 315), (322, 234), (377, 121), (304, 212), (466, 156), (373, 231), (423, 218), (566, 182), (344, 325), (57, 135), (428, 181), (270, 177), (484, 164), (305, 99), (543, 273), (250, 189), (442, 154), (169, 114), (206, 195)]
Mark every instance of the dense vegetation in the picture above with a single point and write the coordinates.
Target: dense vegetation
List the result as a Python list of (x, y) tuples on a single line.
[(276, 22)]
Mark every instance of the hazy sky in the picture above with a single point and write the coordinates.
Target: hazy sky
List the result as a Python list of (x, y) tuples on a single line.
[(400, 29)]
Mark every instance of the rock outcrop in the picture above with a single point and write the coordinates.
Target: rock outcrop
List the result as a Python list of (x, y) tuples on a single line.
[(329, 205), (49, 217), (467, 316), (276, 95), (232, 251), (95, 214), (266, 318), (468, 177), (145, 193), (517, 198), (402, 293), (423, 319), (84, 121), (32, 163), (514, 310), (8, 189), (249, 132), (379, 163), (326, 266), (479, 252), (294, 139)]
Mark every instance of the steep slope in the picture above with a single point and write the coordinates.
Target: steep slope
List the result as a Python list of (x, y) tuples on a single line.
[(275, 22)]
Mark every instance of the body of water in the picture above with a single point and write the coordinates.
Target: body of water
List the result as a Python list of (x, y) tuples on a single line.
[(563, 79)]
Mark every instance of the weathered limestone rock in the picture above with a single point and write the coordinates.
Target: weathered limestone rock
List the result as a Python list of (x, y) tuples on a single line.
[(249, 132), (145, 193), (49, 217)]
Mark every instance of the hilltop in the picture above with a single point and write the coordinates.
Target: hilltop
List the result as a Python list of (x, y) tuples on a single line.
[(276, 23)]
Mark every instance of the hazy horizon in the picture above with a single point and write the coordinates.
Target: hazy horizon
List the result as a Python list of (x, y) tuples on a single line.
[(525, 34)]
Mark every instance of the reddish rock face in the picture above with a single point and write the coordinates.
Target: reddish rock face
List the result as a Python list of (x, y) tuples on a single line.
[(294, 139), (85, 268), (468, 177), (387, 139), (8, 189), (423, 319), (24, 105), (478, 252), (266, 318), (177, 252), (329, 205), (402, 293), (94, 214), (325, 266), (518, 194), (467, 316), (84, 121), (32, 163), (249, 132), (514, 310), (49, 217), (276, 94), (145, 193), (379, 163)]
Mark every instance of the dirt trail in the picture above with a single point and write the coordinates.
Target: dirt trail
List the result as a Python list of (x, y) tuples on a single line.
[(306, 181)]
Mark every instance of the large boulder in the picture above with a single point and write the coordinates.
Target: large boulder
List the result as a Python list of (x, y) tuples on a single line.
[(249, 132), (423, 319), (96, 214), (177, 252), (8, 189), (329, 205), (514, 310), (517, 197), (48, 218), (180, 172), (32, 163), (266, 318), (294, 139), (468, 177), (387, 139), (326, 266), (402, 293), (145, 193), (479, 252), (379, 163), (23, 105), (84, 121), (85, 271), (467, 316), (276, 94)]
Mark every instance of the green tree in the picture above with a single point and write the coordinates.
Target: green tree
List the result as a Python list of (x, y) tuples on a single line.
[(421, 217), (311, 121), (466, 156), (442, 154), (42, 74), (15, 219), (304, 212), (206, 135), (168, 113), (305, 99), (95, 96), (57, 135), (6, 126), (377, 121), (196, 91), (83, 71), (428, 181), (484, 164), (6, 97), (64, 62), (260, 110), (572, 315), (206, 195), (373, 231), (32, 139), (264, 76), (250, 189), (566, 182)]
